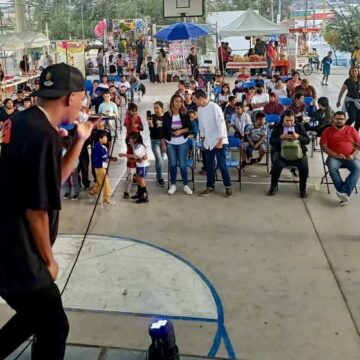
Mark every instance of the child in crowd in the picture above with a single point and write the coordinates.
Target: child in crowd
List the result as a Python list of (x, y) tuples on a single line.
[(259, 82), (322, 118), (240, 120), (223, 97), (249, 94), (243, 75), (131, 169), (132, 121), (71, 185), (229, 109), (326, 68), (27, 103), (255, 140), (151, 69), (142, 166), (194, 131), (298, 107), (100, 161)]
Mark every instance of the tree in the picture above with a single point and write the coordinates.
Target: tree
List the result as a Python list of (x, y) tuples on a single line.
[(342, 31)]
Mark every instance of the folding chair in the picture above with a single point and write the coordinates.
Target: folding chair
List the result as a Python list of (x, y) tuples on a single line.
[(88, 86), (285, 101), (325, 179), (308, 101), (234, 145), (190, 162), (271, 119)]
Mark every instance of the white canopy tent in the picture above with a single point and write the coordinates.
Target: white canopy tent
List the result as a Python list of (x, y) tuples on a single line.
[(250, 23), (10, 42), (33, 39)]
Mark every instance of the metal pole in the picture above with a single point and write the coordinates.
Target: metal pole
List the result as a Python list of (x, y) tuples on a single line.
[(272, 10), (279, 11), (306, 10), (1, 23), (30, 25), (82, 20)]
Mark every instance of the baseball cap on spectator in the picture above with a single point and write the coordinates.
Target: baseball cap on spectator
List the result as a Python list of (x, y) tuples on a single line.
[(59, 80)]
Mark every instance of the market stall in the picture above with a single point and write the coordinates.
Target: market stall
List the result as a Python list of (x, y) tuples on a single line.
[(250, 23)]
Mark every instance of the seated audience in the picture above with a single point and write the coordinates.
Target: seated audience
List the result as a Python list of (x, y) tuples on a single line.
[(288, 145), (322, 118), (337, 142), (298, 107), (273, 107), (240, 120)]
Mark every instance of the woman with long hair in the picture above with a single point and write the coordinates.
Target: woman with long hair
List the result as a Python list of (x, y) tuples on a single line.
[(162, 65), (352, 99), (293, 83), (176, 127)]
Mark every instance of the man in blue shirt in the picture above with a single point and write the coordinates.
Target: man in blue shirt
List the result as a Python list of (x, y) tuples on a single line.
[(326, 68)]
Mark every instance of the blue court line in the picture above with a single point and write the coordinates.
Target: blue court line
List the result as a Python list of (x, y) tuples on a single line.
[(221, 332), (144, 315)]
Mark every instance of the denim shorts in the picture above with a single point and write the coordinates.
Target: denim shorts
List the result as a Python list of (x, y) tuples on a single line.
[(142, 171)]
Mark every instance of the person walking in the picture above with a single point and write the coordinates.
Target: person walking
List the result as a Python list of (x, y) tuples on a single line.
[(162, 65), (29, 216), (326, 68), (140, 54), (100, 63), (176, 128), (213, 133), (352, 99), (192, 60)]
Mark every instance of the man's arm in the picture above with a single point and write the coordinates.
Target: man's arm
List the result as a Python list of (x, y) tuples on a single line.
[(39, 226)]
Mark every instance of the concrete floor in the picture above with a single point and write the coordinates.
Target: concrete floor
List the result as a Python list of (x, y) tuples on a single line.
[(251, 277)]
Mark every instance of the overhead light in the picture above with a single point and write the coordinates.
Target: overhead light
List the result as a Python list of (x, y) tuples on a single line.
[(163, 346)]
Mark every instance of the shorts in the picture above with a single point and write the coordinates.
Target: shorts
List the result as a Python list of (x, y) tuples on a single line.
[(246, 146), (326, 71), (142, 171)]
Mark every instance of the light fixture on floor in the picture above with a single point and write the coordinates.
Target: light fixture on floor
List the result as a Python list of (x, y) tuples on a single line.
[(163, 346)]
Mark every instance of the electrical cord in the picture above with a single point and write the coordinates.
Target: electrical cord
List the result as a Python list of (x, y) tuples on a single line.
[(87, 227)]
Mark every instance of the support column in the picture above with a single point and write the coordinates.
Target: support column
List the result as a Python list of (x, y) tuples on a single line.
[(20, 15)]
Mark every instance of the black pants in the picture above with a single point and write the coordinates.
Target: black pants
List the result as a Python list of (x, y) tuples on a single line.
[(38, 313), (354, 115), (101, 71), (279, 163), (84, 161)]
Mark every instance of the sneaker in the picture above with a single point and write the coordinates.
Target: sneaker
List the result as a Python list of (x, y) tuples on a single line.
[(228, 192), (343, 197), (208, 191), (326, 84), (303, 194), (75, 197), (143, 200), (272, 191), (172, 190), (160, 182), (66, 196), (126, 195), (187, 190), (110, 202), (344, 203), (322, 83), (135, 197)]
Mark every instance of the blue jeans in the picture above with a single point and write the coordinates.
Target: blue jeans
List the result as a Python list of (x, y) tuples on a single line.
[(349, 184), (221, 164), (269, 66), (159, 157), (133, 89), (177, 155)]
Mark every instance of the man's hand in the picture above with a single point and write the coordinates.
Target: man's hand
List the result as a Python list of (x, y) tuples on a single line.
[(350, 157), (219, 144), (83, 130), (296, 136), (286, 137), (341, 156), (338, 104), (53, 269)]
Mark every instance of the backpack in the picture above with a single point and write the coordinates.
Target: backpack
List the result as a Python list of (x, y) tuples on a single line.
[(291, 150)]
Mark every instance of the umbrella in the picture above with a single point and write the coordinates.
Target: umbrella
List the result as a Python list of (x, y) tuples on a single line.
[(182, 31)]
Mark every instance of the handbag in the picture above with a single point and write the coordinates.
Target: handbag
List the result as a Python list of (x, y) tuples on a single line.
[(291, 150)]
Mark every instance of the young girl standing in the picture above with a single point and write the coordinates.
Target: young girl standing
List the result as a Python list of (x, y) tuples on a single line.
[(142, 166)]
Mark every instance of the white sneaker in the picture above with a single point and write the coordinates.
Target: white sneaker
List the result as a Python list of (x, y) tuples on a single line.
[(343, 198), (187, 190), (172, 190)]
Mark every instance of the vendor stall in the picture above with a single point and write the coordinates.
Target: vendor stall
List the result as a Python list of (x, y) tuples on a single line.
[(250, 23)]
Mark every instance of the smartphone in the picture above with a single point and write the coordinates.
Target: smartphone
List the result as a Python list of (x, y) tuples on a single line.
[(148, 115), (95, 117), (290, 133)]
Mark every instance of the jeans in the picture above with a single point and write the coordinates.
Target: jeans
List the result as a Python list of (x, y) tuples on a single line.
[(38, 313), (71, 185), (159, 157), (269, 66), (139, 62), (133, 88), (177, 155), (279, 163), (354, 115), (101, 71), (221, 164), (349, 184), (120, 70)]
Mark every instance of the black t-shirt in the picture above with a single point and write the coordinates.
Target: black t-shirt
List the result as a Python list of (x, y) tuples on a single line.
[(191, 107), (353, 88), (24, 66), (4, 115), (30, 178), (18, 103), (156, 131)]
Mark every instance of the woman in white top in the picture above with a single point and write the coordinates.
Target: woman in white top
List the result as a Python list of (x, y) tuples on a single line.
[(176, 127), (280, 89)]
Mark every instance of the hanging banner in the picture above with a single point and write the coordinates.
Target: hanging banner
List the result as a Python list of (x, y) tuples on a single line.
[(72, 53)]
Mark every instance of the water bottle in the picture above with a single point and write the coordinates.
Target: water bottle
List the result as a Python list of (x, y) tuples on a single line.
[(227, 155)]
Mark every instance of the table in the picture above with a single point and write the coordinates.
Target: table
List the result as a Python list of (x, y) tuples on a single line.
[(23, 79), (283, 64)]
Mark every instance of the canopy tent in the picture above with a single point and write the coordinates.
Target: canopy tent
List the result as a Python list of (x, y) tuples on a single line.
[(33, 39), (10, 42), (251, 23)]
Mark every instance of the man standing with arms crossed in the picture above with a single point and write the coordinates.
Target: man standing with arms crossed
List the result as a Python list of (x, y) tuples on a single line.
[(213, 134), (30, 148)]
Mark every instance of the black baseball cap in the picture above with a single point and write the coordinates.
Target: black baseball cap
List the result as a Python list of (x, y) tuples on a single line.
[(59, 80)]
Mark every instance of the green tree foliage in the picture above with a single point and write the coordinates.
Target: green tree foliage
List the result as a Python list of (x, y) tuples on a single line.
[(342, 31)]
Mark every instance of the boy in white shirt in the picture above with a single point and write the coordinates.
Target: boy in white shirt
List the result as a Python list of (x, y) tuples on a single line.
[(240, 120)]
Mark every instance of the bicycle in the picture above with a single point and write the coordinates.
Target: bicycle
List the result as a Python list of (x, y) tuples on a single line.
[(308, 69)]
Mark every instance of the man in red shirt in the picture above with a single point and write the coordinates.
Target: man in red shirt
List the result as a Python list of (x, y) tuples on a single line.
[(271, 56), (338, 142)]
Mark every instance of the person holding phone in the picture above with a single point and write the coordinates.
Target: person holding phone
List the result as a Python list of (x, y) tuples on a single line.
[(155, 122), (176, 128), (289, 130)]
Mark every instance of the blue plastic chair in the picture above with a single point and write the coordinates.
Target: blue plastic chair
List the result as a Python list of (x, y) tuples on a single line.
[(272, 119), (285, 101), (234, 145), (88, 86)]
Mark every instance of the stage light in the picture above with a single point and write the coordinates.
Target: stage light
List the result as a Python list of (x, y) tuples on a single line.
[(163, 346)]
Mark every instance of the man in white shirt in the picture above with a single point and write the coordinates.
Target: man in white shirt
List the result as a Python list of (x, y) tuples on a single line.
[(259, 100), (213, 134)]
